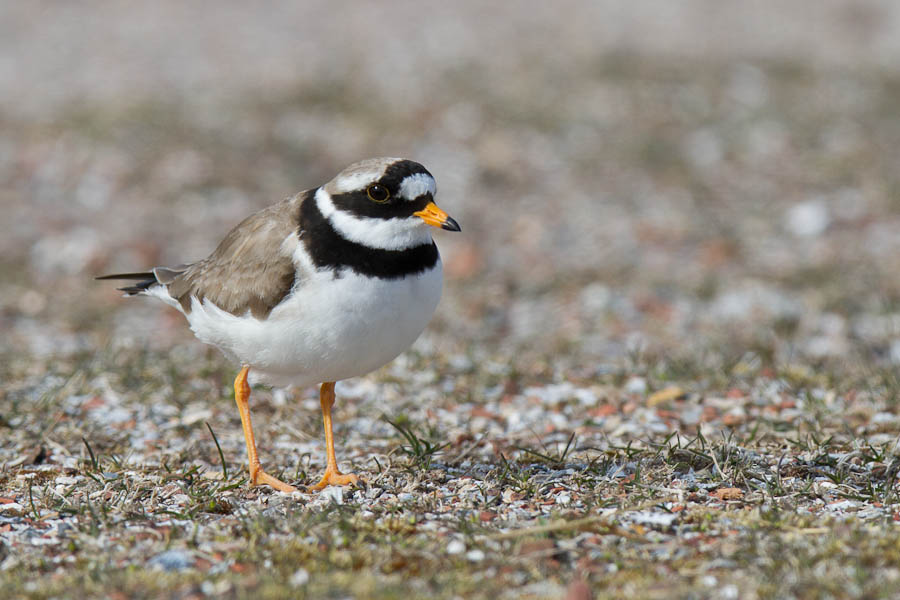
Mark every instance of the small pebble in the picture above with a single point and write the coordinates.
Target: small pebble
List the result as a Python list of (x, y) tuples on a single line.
[(636, 385), (729, 592), (456, 547), (12, 507), (172, 560), (334, 494), (475, 555), (300, 578), (654, 519), (808, 219)]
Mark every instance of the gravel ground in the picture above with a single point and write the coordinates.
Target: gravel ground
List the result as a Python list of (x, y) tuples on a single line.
[(665, 363)]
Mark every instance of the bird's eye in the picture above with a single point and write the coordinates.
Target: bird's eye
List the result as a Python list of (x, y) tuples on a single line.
[(378, 193)]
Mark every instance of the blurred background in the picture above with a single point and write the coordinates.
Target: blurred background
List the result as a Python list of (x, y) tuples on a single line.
[(680, 241), (638, 183)]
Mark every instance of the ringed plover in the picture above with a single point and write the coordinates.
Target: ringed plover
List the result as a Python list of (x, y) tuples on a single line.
[(328, 284)]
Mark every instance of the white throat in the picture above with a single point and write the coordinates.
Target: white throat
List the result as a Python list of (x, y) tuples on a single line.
[(384, 234)]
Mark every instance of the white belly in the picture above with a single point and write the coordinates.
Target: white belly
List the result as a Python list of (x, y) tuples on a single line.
[(327, 330)]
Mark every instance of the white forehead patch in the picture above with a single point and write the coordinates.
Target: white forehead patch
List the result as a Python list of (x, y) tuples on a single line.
[(417, 185)]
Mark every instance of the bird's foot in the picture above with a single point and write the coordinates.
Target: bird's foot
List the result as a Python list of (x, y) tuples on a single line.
[(334, 477), (260, 477)]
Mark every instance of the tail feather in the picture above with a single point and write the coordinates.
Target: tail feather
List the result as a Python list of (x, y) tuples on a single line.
[(139, 288), (147, 279), (145, 275), (144, 281)]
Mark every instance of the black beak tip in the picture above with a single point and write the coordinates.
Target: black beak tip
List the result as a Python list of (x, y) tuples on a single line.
[(451, 225)]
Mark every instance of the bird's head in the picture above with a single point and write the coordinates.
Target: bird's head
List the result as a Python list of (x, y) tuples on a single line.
[(384, 203)]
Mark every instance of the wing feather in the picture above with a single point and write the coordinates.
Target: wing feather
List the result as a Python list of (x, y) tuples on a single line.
[(252, 269)]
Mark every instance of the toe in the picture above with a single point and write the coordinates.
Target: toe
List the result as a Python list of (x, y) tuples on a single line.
[(263, 478), (335, 478)]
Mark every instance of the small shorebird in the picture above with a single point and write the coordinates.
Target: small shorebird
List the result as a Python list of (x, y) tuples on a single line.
[(331, 283)]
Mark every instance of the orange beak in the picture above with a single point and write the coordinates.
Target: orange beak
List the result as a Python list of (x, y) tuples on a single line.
[(434, 216)]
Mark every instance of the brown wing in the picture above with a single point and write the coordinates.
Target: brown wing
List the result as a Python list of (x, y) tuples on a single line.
[(252, 269)]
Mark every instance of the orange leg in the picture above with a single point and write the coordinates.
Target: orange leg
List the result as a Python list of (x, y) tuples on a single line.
[(332, 475), (257, 475)]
